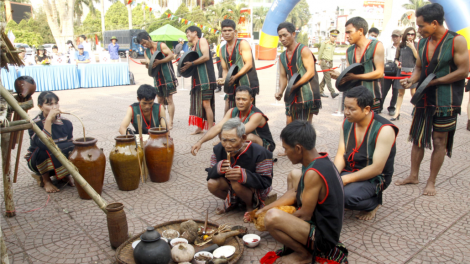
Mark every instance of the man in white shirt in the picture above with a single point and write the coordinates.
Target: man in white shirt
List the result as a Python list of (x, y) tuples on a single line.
[(84, 42), (390, 53)]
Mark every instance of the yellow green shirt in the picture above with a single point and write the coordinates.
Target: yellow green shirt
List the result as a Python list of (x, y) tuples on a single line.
[(327, 50)]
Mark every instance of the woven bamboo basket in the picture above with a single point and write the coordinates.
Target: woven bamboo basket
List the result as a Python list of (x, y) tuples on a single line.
[(125, 252)]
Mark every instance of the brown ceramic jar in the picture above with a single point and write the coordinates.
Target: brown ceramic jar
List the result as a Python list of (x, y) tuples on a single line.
[(159, 152), (126, 162), (91, 164), (117, 224)]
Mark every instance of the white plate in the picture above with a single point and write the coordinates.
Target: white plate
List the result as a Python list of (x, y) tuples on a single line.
[(134, 244), (225, 251)]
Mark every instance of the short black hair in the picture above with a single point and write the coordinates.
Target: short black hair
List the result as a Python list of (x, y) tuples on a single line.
[(374, 30), (55, 47), (147, 92), (362, 95), (287, 25), (299, 132), (26, 78), (194, 28), (244, 88), (431, 12), (358, 23), (83, 37), (143, 35), (228, 23), (47, 97)]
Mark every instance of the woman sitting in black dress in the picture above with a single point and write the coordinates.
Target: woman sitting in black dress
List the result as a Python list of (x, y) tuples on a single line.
[(41, 55), (40, 160)]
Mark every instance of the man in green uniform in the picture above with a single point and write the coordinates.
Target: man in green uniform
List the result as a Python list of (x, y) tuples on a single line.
[(165, 82), (327, 50)]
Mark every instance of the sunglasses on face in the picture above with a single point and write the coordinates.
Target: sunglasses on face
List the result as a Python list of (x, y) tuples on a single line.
[(410, 34)]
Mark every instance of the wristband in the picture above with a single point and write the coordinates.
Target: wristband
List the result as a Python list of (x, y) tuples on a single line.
[(192, 63)]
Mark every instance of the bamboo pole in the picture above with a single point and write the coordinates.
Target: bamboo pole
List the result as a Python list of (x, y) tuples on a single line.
[(3, 249), (7, 184), (15, 128), (144, 163), (55, 151)]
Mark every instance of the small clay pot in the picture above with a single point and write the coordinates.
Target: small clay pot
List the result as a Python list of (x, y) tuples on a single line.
[(152, 249), (117, 224)]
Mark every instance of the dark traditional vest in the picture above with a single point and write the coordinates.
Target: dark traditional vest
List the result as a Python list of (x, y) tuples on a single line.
[(250, 79), (445, 99), (309, 93), (154, 118), (204, 76), (166, 77), (374, 86), (358, 157), (263, 132), (328, 214)]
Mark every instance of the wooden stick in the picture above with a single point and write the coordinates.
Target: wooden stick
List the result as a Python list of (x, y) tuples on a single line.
[(15, 128), (18, 154), (3, 249), (7, 185), (228, 157), (144, 162), (55, 151)]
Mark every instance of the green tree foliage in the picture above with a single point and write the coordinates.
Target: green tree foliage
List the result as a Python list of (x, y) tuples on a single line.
[(78, 9), (412, 5), (300, 15), (33, 31), (303, 38), (138, 17), (259, 15), (116, 17), (91, 25)]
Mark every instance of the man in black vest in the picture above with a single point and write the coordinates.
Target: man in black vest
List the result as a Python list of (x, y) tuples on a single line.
[(149, 111), (311, 234), (366, 153), (256, 123)]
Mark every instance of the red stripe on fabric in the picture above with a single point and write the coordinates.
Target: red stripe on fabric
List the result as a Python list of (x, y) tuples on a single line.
[(326, 184), (246, 149)]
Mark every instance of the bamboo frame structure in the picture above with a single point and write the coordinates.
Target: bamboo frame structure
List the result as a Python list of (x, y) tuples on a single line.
[(55, 151), (3, 249)]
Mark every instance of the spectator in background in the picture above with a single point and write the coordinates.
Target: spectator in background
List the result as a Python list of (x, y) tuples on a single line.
[(82, 56), (84, 42), (70, 51), (27, 60), (113, 49), (41, 55), (373, 33), (390, 53), (177, 52), (406, 56), (55, 51)]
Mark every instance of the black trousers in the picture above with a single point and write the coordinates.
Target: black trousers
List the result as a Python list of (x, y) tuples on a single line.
[(360, 196), (387, 85)]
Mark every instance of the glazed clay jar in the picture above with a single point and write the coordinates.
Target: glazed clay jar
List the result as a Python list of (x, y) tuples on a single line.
[(159, 152), (91, 164), (126, 162), (152, 249)]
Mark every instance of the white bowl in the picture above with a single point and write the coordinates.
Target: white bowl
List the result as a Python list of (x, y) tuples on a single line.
[(248, 240), (203, 253), (224, 251), (176, 240), (164, 234)]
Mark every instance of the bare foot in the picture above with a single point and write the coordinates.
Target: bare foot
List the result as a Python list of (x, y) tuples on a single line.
[(198, 131), (50, 188), (367, 215), (222, 210), (295, 258), (71, 182), (430, 189), (409, 180), (170, 125)]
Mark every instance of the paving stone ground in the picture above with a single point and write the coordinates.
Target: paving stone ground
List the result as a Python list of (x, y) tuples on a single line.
[(409, 228)]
